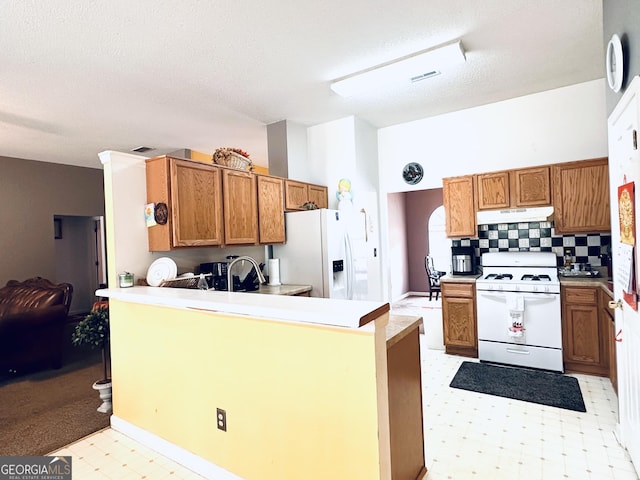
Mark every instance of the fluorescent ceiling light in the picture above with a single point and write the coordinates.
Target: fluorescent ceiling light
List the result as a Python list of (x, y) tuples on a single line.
[(403, 71)]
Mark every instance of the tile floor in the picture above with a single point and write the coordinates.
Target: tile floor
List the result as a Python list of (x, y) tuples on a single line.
[(467, 435)]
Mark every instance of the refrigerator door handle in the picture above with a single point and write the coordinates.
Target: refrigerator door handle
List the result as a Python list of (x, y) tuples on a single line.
[(349, 267)]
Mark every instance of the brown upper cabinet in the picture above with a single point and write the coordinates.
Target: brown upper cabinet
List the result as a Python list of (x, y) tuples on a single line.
[(298, 193), (459, 206), (210, 205), (240, 209), (581, 196), (192, 193), (530, 187), (527, 187), (578, 191), (319, 195), (492, 190), (270, 209)]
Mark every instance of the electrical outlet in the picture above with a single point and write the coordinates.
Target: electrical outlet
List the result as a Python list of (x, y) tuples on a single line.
[(221, 419)]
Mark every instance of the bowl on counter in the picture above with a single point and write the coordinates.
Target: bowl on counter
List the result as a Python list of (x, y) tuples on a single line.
[(572, 272)]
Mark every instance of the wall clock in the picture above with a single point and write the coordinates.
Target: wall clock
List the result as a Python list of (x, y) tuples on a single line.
[(412, 173), (614, 63)]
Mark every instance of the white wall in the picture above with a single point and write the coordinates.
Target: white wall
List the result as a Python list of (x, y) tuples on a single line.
[(555, 126), (347, 148), (397, 255), (331, 155)]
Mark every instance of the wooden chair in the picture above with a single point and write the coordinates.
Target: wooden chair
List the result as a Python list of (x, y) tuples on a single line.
[(433, 277)]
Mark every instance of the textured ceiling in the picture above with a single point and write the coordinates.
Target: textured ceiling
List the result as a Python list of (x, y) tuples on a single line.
[(79, 77)]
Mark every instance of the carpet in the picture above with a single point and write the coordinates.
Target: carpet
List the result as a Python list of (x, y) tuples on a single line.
[(44, 411), (535, 386)]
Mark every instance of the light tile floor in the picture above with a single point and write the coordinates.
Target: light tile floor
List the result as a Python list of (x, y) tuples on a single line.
[(467, 435)]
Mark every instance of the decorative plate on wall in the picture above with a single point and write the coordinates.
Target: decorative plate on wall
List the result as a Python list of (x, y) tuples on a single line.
[(412, 173), (161, 213), (615, 63)]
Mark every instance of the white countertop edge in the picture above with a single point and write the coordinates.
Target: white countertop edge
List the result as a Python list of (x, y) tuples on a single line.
[(322, 311)]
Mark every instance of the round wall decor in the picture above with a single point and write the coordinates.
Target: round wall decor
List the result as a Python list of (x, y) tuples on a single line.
[(161, 213), (614, 63), (412, 173)]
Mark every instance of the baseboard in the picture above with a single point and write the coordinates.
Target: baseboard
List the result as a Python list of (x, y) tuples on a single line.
[(418, 294), (411, 294), (178, 454)]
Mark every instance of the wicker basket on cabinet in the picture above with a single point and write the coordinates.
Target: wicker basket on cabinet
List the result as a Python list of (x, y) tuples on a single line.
[(231, 157)]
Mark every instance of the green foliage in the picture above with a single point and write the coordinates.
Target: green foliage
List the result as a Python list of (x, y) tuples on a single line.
[(93, 330)]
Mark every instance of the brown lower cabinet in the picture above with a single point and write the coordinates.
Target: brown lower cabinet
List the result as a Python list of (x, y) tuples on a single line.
[(585, 347), (609, 329), (405, 405), (459, 318)]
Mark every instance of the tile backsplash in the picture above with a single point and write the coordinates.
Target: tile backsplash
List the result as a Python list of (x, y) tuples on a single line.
[(537, 237)]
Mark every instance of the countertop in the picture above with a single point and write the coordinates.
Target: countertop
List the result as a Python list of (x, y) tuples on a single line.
[(282, 289), (322, 311), (399, 326), (460, 278)]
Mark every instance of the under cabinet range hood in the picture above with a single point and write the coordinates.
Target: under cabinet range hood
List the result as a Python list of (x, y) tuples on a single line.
[(515, 215)]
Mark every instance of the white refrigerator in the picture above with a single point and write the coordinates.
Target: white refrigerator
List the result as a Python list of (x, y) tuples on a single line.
[(318, 253)]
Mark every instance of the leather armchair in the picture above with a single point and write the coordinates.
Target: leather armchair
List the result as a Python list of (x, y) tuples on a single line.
[(33, 314)]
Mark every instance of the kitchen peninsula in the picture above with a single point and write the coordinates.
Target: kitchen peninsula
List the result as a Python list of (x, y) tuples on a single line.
[(309, 386)]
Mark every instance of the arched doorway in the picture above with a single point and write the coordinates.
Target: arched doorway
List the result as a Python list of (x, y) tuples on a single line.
[(439, 244)]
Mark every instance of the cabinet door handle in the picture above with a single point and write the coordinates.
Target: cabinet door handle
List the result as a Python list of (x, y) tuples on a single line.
[(615, 304), (618, 336)]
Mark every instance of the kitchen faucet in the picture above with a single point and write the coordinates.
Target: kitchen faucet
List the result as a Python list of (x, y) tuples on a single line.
[(261, 278)]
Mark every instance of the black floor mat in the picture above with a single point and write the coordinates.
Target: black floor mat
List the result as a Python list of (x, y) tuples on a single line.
[(546, 388)]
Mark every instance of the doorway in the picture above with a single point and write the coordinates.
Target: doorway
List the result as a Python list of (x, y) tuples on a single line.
[(439, 244), (80, 258)]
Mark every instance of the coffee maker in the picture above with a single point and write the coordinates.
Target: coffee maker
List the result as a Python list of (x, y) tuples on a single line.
[(218, 271), (463, 261)]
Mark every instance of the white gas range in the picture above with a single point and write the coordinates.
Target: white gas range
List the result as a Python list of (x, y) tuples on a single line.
[(518, 309)]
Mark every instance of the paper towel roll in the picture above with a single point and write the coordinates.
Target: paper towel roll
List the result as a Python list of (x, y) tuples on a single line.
[(274, 271)]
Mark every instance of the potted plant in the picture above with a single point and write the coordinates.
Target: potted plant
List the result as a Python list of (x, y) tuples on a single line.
[(93, 331)]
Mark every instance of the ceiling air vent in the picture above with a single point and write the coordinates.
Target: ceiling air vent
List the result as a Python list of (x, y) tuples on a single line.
[(142, 149), (424, 76)]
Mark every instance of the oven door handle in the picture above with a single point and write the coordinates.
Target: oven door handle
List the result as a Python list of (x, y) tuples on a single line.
[(501, 297), (519, 352)]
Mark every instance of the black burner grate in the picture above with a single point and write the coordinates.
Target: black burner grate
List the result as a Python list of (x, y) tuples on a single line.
[(536, 278)]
